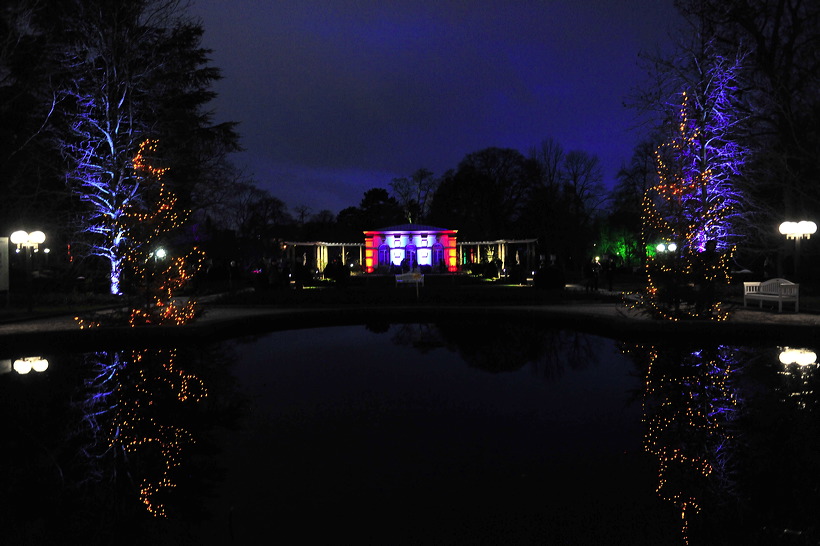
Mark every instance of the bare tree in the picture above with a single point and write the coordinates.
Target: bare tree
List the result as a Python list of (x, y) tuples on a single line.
[(635, 178), (323, 217), (415, 193), (781, 75), (124, 62), (214, 194), (302, 212), (582, 177), (695, 203), (549, 157), (254, 210)]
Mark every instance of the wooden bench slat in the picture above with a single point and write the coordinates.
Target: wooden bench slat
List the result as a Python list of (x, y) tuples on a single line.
[(778, 290)]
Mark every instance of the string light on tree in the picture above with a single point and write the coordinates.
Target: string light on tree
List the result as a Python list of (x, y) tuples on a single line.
[(694, 204)]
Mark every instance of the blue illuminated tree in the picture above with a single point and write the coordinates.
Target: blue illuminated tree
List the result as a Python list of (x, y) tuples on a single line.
[(780, 93), (695, 207), (132, 70)]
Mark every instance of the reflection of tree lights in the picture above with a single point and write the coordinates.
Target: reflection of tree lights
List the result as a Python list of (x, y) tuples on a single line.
[(801, 357), (687, 417), (137, 384), (29, 363)]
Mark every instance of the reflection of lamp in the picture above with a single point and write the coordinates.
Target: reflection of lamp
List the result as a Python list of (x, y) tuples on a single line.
[(28, 241), (29, 363), (801, 357)]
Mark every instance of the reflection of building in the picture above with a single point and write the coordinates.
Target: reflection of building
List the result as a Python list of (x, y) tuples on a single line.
[(410, 244)]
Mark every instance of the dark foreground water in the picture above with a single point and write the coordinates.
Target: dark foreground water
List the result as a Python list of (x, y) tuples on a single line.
[(413, 434)]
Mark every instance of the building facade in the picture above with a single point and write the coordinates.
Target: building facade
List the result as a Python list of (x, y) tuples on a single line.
[(410, 246)]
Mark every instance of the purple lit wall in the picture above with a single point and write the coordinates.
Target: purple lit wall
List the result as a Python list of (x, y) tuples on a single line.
[(411, 244)]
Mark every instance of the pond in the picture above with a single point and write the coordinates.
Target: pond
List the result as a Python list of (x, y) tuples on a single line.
[(447, 433)]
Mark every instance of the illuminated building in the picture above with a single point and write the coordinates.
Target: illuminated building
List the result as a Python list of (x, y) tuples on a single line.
[(413, 245)]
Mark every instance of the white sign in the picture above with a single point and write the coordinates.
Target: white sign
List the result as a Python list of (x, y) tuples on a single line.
[(4, 264)]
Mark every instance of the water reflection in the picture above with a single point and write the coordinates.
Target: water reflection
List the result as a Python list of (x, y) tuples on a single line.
[(736, 439), (391, 437), (799, 373), (689, 405), (134, 403), (778, 462), (109, 442), (340, 422), (501, 346)]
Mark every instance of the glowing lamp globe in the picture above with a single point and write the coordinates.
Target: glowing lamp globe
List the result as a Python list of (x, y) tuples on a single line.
[(22, 366), (796, 230), (19, 237), (807, 227)]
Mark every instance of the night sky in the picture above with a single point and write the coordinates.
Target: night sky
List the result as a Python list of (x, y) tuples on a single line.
[(336, 97)]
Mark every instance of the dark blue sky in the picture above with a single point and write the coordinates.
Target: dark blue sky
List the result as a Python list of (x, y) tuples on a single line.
[(335, 97)]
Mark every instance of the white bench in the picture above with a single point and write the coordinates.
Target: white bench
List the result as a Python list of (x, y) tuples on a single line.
[(410, 278), (778, 290)]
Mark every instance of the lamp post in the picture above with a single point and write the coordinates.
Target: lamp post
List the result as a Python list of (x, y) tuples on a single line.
[(796, 231), (663, 247), (30, 242), (151, 268)]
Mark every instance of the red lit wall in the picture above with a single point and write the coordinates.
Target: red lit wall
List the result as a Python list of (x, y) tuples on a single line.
[(401, 243)]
